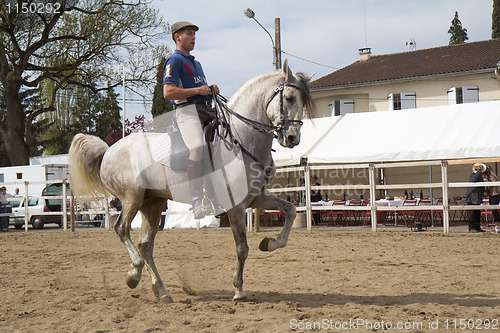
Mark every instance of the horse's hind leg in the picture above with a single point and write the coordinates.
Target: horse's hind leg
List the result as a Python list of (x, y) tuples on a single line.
[(122, 228), (151, 212), (268, 201)]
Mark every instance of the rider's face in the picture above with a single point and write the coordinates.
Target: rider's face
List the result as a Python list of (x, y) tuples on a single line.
[(186, 40)]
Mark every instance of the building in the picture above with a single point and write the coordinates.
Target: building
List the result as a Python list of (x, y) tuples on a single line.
[(455, 74), (41, 171)]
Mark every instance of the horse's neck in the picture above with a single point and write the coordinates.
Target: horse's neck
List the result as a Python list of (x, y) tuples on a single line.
[(257, 143)]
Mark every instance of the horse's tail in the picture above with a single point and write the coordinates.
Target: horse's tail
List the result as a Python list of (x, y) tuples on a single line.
[(85, 158)]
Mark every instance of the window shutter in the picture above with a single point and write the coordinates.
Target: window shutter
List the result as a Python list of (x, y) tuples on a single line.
[(452, 96), (390, 102), (331, 105), (470, 94), (408, 100), (346, 106)]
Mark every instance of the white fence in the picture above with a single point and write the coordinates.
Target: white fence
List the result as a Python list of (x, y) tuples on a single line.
[(81, 215), (104, 209), (372, 187)]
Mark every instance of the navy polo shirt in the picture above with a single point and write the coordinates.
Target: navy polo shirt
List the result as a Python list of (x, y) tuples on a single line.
[(185, 72)]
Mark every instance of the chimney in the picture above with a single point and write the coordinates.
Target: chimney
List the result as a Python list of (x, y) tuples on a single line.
[(365, 53)]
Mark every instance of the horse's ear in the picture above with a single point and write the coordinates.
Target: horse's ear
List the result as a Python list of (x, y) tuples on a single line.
[(287, 71), (309, 77)]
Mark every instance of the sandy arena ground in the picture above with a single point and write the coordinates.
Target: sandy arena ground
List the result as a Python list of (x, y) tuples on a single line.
[(337, 279)]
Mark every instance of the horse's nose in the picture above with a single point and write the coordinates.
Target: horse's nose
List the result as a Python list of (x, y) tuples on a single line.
[(292, 140)]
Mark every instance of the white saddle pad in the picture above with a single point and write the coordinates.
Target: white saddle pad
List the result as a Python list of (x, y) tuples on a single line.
[(160, 149)]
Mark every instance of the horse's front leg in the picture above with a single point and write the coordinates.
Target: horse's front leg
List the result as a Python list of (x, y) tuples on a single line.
[(238, 226), (267, 201)]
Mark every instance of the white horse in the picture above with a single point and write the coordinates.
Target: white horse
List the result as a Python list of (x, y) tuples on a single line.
[(267, 104)]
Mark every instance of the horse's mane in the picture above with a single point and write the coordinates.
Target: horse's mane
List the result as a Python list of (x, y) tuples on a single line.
[(305, 93), (303, 85), (240, 92)]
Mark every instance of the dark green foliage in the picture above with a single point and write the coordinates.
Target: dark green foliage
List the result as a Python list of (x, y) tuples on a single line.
[(457, 32), (160, 105), (495, 20)]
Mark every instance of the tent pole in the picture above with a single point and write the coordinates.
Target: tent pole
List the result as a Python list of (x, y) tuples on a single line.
[(446, 206), (307, 179), (373, 206), (431, 195)]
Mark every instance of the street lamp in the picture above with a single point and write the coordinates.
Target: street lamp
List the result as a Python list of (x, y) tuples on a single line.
[(276, 48)]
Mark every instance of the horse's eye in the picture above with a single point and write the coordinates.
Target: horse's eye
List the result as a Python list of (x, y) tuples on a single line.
[(290, 99)]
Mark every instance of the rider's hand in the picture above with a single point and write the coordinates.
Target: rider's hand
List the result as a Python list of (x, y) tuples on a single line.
[(204, 90), (216, 89)]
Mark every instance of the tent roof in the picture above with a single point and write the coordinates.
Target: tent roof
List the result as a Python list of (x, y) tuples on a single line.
[(312, 131), (441, 132)]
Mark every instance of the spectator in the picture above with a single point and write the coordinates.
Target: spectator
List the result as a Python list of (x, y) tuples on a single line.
[(494, 195), (315, 197), (16, 192), (4, 208), (474, 196)]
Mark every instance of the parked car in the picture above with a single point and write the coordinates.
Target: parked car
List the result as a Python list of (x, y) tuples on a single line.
[(35, 207), (56, 189), (47, 204)]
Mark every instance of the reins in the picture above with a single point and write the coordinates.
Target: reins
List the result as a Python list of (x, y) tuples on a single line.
[(220, 103), (224, 130)]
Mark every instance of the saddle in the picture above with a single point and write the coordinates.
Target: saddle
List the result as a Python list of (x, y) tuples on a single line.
[(178, 151)]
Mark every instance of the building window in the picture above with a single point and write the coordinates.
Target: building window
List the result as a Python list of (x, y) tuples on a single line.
[(460, 95), (396, 102), (401, 101), (341, 107), (19, 175)]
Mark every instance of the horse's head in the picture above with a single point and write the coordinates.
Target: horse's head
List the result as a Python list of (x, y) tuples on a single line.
[(286, 106)]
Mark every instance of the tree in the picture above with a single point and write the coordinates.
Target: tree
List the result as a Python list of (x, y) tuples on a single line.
[(495, 20), (160, 105), (70, 43), (93, 113), (458, 34)]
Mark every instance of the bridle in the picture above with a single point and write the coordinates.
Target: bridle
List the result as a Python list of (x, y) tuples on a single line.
[(279, 89), (220, 103), (223, 131)]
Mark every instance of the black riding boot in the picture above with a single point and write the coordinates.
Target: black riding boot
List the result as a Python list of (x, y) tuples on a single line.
[(218, 211), (194, 174)]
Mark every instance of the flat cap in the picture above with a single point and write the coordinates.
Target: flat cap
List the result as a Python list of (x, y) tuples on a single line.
[(181, 25)]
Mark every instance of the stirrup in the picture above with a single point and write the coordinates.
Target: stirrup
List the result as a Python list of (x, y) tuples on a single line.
[(198, 212), (207, 206)]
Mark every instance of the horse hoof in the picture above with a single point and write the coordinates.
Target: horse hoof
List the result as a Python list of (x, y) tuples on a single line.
[(240, 296), (166, 299), (132, 282), (264, 244)]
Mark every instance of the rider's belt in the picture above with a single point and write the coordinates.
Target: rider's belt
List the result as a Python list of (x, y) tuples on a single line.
[(194, 102)]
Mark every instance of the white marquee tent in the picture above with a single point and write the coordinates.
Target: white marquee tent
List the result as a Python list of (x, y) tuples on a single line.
[(434, 133), (312, 132)]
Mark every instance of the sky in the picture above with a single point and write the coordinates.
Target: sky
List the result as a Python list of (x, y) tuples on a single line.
[(233, 48)]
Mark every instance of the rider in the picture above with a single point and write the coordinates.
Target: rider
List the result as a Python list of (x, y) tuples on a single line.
[(184, 83)]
